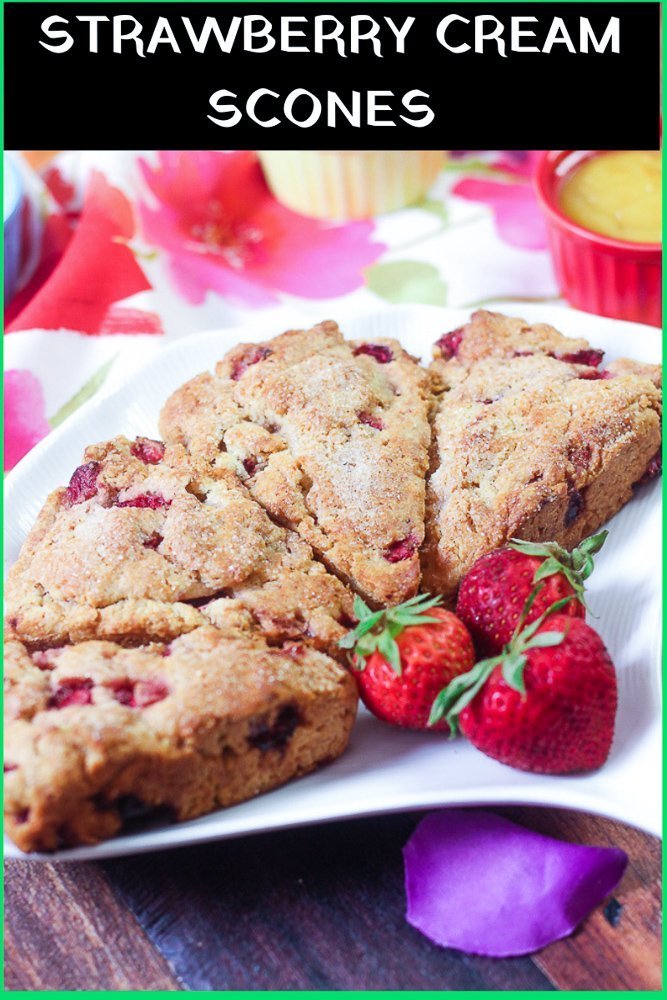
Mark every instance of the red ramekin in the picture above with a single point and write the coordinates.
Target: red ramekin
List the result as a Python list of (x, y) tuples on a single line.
[(597, 273)]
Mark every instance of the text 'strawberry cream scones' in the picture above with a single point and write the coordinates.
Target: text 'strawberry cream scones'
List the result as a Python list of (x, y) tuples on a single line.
[(96, 733), (147, 543), (531, 439), (331, 437)]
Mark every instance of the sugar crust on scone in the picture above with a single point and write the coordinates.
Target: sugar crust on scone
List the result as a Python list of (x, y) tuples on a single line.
[(148, 550), (531, 440), (331, 437), (95, 731)]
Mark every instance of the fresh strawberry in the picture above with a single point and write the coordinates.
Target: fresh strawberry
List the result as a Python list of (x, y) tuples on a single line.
[(546, 704), (494, 592), (404, 655)]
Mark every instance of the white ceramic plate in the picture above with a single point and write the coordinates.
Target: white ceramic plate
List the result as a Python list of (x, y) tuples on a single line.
[(387, 769)]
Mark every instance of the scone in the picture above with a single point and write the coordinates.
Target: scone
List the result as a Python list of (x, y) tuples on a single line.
[(531, 440), (147, 543), (331, 437), (97, 733)]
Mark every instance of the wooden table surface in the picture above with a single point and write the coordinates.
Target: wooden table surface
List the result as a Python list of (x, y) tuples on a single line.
[(316, 908)]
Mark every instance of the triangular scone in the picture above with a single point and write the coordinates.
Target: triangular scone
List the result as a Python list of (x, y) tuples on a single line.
[(148, 542), (531, 439), (97, 734), (493, 335), (332, 438)]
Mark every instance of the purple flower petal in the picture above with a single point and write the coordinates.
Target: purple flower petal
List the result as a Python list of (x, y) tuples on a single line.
[(484, 885)]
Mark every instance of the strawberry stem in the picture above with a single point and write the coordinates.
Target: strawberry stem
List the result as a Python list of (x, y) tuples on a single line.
[(378, 630), (576, 566), (451, 701)]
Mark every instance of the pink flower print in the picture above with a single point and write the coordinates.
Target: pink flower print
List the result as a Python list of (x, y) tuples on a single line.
[(517, 215), (97, 268), (25, 420), (223, 231)]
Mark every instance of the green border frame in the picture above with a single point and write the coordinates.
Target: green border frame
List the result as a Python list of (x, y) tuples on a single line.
[(349, 993)]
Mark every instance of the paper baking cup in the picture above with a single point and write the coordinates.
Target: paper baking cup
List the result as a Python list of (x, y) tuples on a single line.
[(350, 185)]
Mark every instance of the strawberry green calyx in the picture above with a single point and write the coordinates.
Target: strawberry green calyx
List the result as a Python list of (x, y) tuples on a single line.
[(576, 566), (451, 701), (377, 631)]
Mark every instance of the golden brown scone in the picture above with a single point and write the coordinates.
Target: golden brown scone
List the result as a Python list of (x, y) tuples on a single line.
[(145, 538), (331, 437), (96, 732), (531, 440), (625, 366), (493, 335)]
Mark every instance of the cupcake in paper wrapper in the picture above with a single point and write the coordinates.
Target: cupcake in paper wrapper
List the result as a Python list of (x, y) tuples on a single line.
[(357, 184)]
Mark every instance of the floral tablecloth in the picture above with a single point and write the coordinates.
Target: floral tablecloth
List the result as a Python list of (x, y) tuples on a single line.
[(126, 251)]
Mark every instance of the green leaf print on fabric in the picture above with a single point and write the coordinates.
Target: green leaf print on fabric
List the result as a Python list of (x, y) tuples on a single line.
[(87, 390), (399, 281), (436, 206)]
